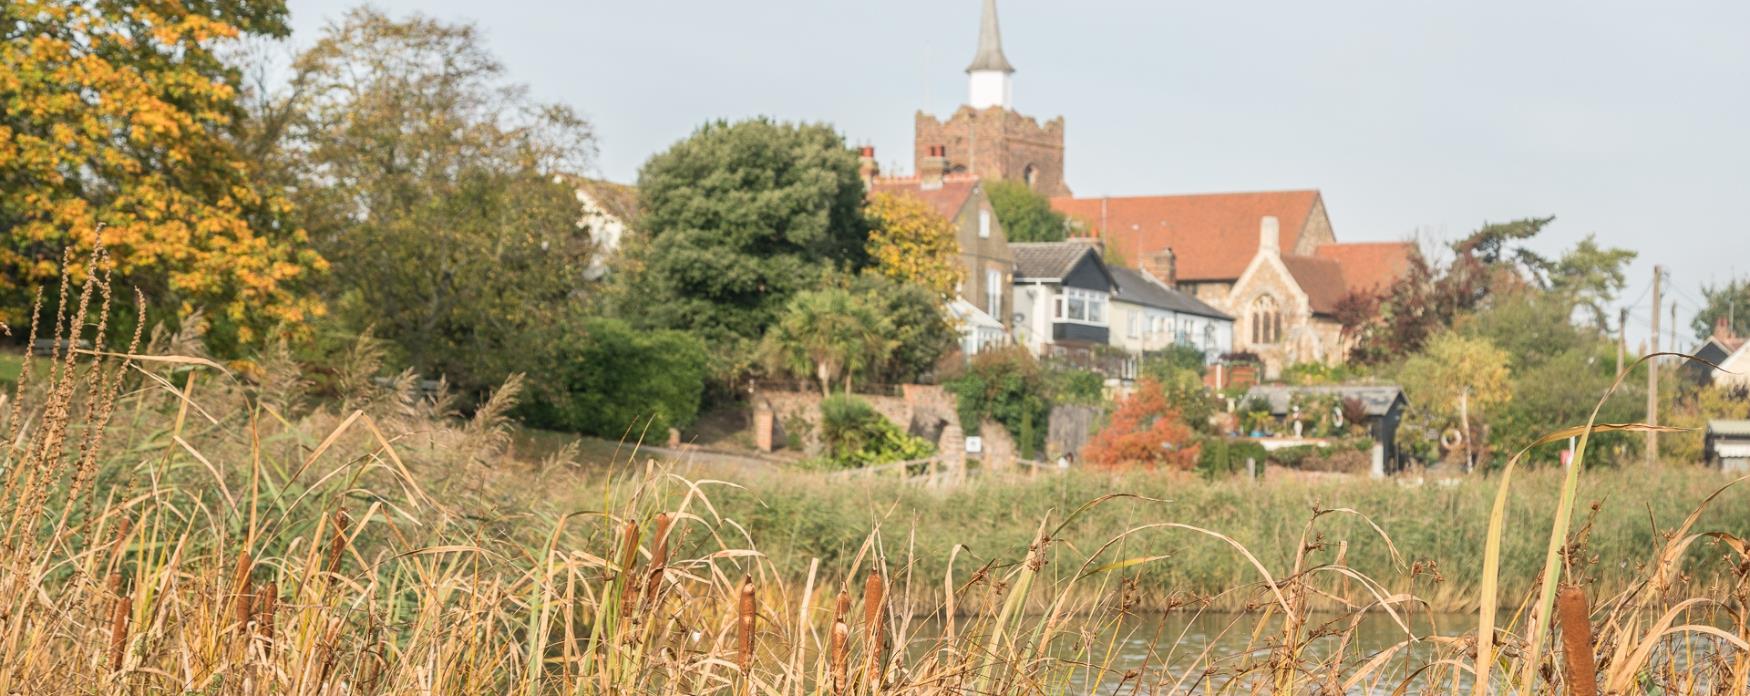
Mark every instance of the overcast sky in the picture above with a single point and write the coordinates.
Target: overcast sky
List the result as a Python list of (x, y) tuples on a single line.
[(1630, 120)]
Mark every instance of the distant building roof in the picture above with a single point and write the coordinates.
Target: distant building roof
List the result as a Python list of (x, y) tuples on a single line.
[(1733, 428), (948, 198), (1136, 287), (1370, 266), (971, 316), (1050, 260), (1321, 279), (1378, 398), (1213, 235), (618, 200)]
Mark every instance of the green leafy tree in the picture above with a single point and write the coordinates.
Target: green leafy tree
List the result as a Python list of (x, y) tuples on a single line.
[(1590, 276), (831, 335), (917, 326), (733, 222), (1730, 302), (122, 115), (1025, 214), (434, 187), (610, 380), (1455, 380), (912, 243)]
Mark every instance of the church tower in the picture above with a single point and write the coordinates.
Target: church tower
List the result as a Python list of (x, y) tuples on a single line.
[(987, 137)]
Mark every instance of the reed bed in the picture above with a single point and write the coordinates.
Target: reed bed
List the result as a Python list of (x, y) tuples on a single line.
[(173, 525)]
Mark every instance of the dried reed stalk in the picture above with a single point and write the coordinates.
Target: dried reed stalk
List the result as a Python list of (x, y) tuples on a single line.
[(873, 595), (747, 614), (1573, 614), (841, 642)]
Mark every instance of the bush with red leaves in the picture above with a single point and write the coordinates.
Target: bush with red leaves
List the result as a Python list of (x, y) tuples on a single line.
[(1145, 431)]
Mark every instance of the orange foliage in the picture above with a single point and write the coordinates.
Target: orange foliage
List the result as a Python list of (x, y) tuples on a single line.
[(1145, 431)]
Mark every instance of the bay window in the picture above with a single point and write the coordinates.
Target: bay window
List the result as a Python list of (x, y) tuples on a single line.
[(1080, 306)]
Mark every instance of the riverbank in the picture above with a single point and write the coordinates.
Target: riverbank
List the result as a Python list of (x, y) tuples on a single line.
[(1429, 538)]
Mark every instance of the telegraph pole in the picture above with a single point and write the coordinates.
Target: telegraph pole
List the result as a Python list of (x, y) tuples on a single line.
[(1621, 337), (1674, 326), (1653, 376)]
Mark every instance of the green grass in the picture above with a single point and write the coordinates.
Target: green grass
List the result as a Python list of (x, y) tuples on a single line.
[(11, 365), (1439, 529)]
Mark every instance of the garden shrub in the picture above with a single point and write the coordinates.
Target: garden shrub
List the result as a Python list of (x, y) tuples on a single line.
[(1009, 387), (1220, 456), (611, 381), (856, 435)]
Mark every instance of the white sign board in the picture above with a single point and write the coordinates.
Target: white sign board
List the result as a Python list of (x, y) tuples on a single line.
[(974, 444)]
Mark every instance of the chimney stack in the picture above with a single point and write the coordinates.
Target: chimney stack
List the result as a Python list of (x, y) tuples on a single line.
[(934, 166), (1163, 266), (866, 165), (1270, 236), (1723, 329)]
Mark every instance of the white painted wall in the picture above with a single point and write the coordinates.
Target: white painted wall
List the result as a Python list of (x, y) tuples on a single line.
[(990, 88), (604, 229), (1191, 328)]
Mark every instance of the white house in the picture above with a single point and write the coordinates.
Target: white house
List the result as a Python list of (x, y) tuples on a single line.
[(1148, 316), (607, 207), (1062, 295)]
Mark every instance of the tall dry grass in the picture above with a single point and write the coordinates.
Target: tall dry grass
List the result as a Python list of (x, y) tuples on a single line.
[(172, 525)]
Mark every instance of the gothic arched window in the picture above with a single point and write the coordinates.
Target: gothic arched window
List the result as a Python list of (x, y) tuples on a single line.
[(1266, 320), (1031, 176)]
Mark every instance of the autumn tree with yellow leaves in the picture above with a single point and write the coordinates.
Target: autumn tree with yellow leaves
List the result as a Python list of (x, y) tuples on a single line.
[(116, 116), (913, 243)]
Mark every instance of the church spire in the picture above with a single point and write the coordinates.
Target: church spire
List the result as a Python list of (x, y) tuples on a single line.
[(990, 44), (990, 70)]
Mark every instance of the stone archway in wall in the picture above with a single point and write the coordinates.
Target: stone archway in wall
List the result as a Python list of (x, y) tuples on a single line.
[(1030, 174)]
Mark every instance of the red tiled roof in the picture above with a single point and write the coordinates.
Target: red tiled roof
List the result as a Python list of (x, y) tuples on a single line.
[(1321, 279), (1213, 235), (1370, 266), (947, 199)]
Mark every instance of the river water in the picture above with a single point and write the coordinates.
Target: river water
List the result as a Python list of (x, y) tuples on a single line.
[(1192, 653)]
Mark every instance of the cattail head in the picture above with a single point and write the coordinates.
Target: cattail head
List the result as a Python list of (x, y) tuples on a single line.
[(874, 593), (658, 557), (747, 613), (245, 593), (267, 609), (839, 656), (629, 583), (337, 544), (118, 623), (1573, 614)]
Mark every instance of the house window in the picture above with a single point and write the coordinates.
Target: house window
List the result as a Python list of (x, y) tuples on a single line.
[(1136, 322), (1266, 320), (984, 223), (993, 293), (1081, 306)]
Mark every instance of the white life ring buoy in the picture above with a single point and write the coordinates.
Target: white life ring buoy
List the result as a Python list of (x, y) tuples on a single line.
[(1451, 438)]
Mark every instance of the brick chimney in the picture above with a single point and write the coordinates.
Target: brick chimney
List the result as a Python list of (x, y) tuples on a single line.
[(866, 165), (1163, 265), (934, 166), (1270, 236), (1723, 329)]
